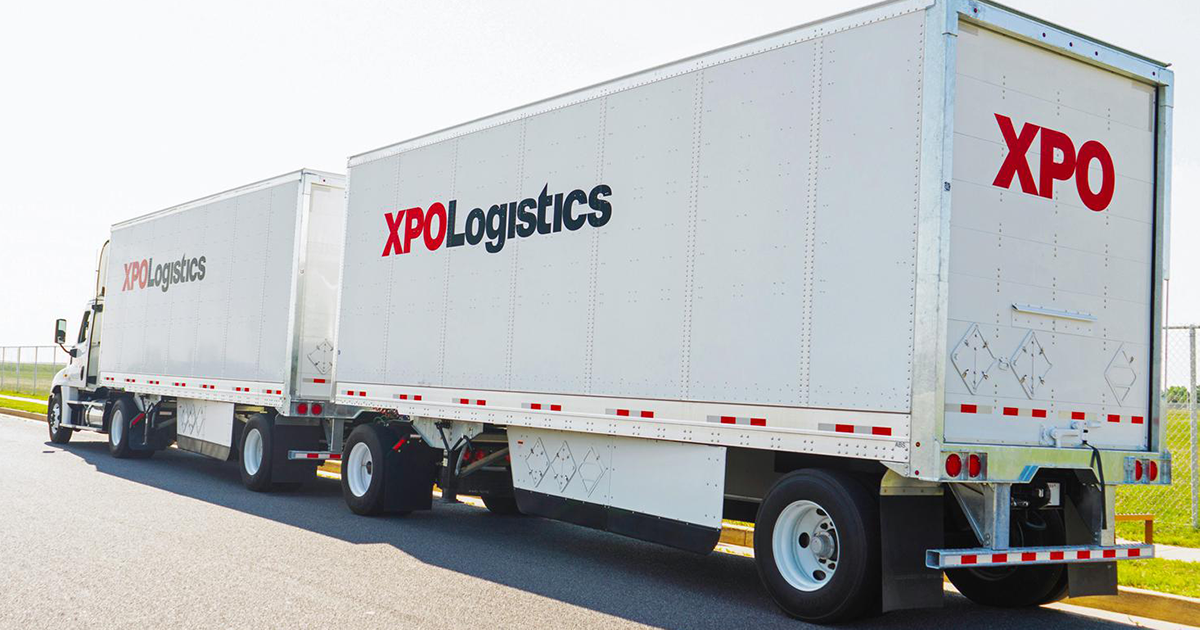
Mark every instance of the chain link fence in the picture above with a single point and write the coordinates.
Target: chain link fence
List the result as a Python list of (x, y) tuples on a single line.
[(1175, 508), (27, 370)]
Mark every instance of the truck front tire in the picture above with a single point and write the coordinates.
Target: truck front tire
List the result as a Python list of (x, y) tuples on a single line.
[(817, 546), (1019, 586), (54, 414)]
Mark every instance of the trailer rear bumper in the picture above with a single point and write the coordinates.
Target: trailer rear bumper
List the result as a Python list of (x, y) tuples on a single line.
[(984, 557)]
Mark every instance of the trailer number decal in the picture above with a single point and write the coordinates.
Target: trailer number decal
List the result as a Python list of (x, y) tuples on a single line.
[(1050, 168), (437, 225)]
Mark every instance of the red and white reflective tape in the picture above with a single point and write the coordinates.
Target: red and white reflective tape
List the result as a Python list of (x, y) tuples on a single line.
[(859, 429), (350, 392), (205, 386), (632, 413), (949, 558), (180, 384), (241, 389), (315, 380), (541, 407), (154, 382), (754, 422), (273, 391), (321, 455), (407, 397), (1025, 412), (468, 401)]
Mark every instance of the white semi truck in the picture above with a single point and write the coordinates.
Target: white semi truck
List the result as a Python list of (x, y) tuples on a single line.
[(211, 326), (889, 285)]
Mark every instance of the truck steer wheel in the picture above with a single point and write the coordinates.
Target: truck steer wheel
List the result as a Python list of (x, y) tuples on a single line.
[(256, 458), (54, 413), (817, 546)]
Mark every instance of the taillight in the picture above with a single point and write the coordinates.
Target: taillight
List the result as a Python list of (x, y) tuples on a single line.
[(317, 409), (953, 465), (302, 408), (1137, 470), (974, 465), (1153, 472)]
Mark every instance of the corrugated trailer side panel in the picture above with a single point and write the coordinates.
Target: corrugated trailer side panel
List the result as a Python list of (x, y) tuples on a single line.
[(760, 248), (229, 320)]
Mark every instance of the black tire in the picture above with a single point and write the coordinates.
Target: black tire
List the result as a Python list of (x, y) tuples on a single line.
[(851, 587), (363, 469), (1019, 586), (54, 411), (256, 453), (505, 506), (122, 433)]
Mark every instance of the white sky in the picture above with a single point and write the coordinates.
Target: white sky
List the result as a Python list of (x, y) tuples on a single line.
[(109, 110)]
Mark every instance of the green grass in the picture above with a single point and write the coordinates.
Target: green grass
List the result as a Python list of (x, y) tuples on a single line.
[(1178, 534), (1177, 577), (20, 405), (27, 379)]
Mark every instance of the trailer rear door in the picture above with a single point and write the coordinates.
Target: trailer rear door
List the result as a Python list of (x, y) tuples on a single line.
[(1051, 250)]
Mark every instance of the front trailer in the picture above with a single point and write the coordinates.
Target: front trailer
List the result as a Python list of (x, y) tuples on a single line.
[(888, 284), (212, 327)]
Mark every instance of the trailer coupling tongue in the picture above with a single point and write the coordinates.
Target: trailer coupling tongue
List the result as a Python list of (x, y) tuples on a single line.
[(984, 557)]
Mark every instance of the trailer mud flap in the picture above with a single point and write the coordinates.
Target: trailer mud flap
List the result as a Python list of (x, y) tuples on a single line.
[(669, 493), (410, 471), (287, 437)]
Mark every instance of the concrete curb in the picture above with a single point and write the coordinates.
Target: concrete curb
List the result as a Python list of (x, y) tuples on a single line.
[(1143, 603), (29, 415)]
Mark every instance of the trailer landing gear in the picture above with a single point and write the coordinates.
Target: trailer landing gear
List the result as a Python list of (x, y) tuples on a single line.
[(817, 546)]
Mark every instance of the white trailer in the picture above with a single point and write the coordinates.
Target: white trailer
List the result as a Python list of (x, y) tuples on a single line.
[(889, 284), (212, 326)]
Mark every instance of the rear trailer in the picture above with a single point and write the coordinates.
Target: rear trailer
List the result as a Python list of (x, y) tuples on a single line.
[(888, 284), (213, 328)]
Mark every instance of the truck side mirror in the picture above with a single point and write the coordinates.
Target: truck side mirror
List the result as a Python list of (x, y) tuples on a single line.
[(60, 331)]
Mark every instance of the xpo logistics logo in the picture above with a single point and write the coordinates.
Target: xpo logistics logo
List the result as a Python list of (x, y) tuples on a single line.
[(144, 273), (1073, 164), (548, 213)]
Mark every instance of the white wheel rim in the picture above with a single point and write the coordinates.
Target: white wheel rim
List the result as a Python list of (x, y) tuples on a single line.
[(55, 415), (252, 452), (358, 469), (806, 545), (116, 428)]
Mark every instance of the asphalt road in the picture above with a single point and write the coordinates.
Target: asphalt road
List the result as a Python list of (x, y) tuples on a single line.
[(91, 541)]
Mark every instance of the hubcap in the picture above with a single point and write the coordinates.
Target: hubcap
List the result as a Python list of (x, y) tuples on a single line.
[(805, 545), (359, 469), (252, 452), (116, 429)]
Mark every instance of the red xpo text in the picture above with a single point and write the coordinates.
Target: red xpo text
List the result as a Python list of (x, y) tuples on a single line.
[(1073, 164), (546, 213)]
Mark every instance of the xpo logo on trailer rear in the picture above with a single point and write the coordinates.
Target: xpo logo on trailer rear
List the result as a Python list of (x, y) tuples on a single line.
[(886, 284)]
